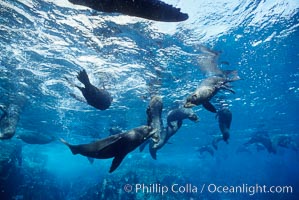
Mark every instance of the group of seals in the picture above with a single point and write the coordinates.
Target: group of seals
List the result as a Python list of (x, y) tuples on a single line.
[(224, 116), (148, 9), (174, 121), (262, 139), (216, 81)]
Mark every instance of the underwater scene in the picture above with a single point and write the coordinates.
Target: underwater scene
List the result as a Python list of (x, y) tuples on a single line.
[(149, 99)]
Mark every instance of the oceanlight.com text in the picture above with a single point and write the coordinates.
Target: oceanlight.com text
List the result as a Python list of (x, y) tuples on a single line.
[(209, 188), (249, 189)]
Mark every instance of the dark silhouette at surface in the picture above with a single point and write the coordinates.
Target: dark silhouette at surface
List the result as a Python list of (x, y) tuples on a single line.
[(148, 9)]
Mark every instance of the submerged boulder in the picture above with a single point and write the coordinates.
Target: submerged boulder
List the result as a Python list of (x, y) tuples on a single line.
[(10, 162)]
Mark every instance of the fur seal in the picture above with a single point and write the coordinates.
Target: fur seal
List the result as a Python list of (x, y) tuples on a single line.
[(98, 98), (206, 148), (115, 146), (154, 112), (115, 130), (284, 141), (207, 89), (148, 9), (180, 114), (262, 137), (224, 120), (208, 62), (32, 138)]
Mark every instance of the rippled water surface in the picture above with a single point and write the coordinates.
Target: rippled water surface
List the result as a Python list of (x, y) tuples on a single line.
[(43, 42)]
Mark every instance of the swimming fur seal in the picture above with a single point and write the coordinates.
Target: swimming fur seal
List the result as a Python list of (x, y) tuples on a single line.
[(32, 138), (98, 98), (154, 112), (148, 9), (180, 114), (207, 89), (224, 120), (284, 141), (115, 146), (206, 148), (262, 137)]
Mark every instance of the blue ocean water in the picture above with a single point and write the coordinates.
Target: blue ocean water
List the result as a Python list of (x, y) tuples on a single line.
[(44, 41)]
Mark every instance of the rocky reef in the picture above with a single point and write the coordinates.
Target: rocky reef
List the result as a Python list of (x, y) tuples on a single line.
[(10, 162)]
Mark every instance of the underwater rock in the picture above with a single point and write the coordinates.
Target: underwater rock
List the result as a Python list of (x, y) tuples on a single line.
[(10, 162), (113, 186), (9, 120)]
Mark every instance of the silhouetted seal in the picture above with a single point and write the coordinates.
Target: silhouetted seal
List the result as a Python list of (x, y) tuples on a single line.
[(98, 98), (284, 141), (117, 146), (224, 120), (262, 137), (207, 89), (32, 138), (148, 9), (206, 148)]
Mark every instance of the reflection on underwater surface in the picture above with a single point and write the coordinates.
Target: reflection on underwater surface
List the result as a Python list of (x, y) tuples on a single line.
[(42, 42)]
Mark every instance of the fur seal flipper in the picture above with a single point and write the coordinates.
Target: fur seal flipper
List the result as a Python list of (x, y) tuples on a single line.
[(98, 98), (116, 162), (115, 146), (224, 120), (148, 9), (207, 105), (83, 78)]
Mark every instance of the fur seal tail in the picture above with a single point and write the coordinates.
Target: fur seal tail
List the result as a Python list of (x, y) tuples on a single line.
[(72, 148), (83, 77)]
